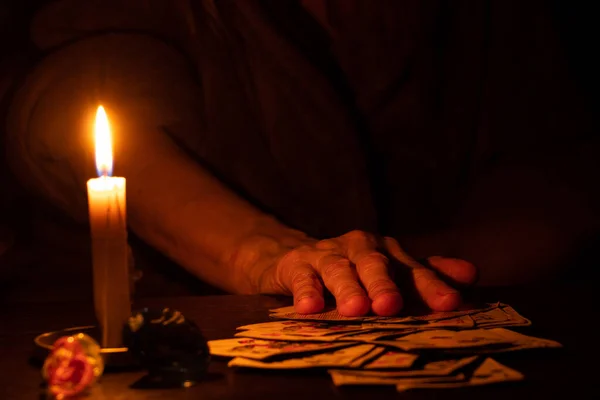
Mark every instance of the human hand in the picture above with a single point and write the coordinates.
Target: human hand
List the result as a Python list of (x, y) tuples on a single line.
[(355, 269)]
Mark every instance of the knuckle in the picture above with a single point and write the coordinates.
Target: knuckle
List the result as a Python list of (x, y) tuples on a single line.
[(336, 268), (347, 289), (326, 244), (305, 248), (302, 277), (380, 286), (373, 260), (295, 255), (390, 241), (360, 236), (305, 281)]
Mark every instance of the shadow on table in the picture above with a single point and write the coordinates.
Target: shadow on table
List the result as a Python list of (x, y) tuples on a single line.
[(153, 382)]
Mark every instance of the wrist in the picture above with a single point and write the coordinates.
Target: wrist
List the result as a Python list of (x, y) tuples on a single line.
[(254, 258)]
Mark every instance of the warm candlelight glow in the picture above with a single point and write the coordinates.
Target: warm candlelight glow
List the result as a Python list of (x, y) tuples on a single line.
[(104, 157), (108, 231)]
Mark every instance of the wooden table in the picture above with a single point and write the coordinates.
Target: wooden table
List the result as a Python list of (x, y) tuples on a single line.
[(565, 313)]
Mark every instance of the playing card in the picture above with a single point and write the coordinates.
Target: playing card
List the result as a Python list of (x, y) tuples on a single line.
[(505, 316), (501, 316), (438, 316), (382, 350), (302, 328), (446, 339), (341, 358), (370, 336), (495, 315), (393, 359), (329, 314), (263, 349), (520, 341), (332, 337), (490, 371), (432, 371), (517, 318), (461, 322), (351, 379), (433, 368), (368, 357)]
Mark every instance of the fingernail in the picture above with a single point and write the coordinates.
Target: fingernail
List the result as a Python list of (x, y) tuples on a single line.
[(354, 306), (387, 304), (304, 299), (309, 304)]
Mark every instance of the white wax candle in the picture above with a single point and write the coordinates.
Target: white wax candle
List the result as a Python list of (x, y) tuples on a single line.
[(107, 212)]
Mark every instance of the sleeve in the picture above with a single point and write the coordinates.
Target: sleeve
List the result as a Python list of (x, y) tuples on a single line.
[(50, 121), (64, 21)]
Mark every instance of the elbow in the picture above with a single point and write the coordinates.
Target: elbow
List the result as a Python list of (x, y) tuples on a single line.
[(43, 153)]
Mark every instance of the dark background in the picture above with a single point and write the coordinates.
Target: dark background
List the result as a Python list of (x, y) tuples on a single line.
[(575, 21)]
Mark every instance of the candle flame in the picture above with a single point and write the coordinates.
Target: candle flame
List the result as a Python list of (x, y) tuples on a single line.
[(104, 157)]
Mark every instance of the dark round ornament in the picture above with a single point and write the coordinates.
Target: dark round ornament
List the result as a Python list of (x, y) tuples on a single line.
[(170, 346)]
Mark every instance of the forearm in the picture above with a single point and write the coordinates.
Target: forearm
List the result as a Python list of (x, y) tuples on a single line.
[(173, 203), (189, 215)]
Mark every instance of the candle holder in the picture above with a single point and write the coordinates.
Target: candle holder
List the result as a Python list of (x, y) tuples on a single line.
[(116, 357), (112, 260), (113, 356), (164, 342)]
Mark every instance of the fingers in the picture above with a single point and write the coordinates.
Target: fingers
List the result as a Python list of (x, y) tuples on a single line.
[(373, 271), (307, 290), (399, 254), (438, 295), (358, 276), (304, 283), (342, 281), (460, 271)]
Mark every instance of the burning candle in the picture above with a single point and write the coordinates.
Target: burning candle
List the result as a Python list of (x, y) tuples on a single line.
[(106, 200)]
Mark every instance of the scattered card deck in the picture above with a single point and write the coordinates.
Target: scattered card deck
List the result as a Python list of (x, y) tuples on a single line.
[(427, 351)]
